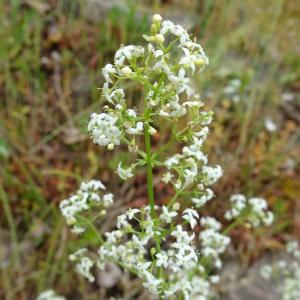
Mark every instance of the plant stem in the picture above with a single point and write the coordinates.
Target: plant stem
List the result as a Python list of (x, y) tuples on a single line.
[(150, 188), (12, 226), (231, 226), (149, 171)]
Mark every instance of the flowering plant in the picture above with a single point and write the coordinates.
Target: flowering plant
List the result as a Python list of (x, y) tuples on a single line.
[(286, 274), (159, 244)]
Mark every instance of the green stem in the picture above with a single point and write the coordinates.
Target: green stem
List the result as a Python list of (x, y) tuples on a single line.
[(149, 171), (150, 186), (174, 198), (231, 226)]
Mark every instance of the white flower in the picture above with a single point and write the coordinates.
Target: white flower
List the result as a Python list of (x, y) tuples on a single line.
[(157, 53), (174, 160), (266, 271), (78, 229), (213, 242), (268, 218), (194, 150), (203, 133), (167, 215), (206, 118), (168, 26), (112, 95), (191, 216), (209, 222), (212, 174), (200, 201), (191, 172), (83, 267), (122, 221), (188, 61), (238, 202), (162, 66), (182, 236), (127, 52), (173, 108), (108, 199), (214, 279), (167, 177), (152, 283), (256, 209), (293, 248), (138, 129), (191, 59), (50, 295), (181, 82), (270, 125), (103, 129), (92, 186), (83, 264), (142, 268), (161, 259), (87, 194), (108, 70), (131, 112)]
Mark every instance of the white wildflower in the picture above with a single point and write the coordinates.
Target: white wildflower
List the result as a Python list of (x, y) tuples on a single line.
[(108, 70), (293, 248), (191, 216), (200, 201), (270, 125), (167, 177), (161, 259), (212, 174), (167, 215), (138, 129), (50, 295), (103, 129)]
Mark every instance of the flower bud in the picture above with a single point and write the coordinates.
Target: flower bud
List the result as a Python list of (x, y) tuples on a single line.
[(152, 130), (200, 62), (159, 38), (156, 18), (110, 146), (152, 251), (132, 148), (126, 71), (176, 206)]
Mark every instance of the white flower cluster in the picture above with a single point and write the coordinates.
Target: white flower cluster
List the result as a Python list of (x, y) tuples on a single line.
[(287, 274), (85, 198), (131, 247), (50, 295), (159, 244), (293, 248), (83, 263), (214, 243), (190, 169), (145, 65), (253, 210), (103, 130)]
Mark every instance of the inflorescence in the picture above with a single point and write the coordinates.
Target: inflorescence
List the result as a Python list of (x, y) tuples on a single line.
[(159, 243)]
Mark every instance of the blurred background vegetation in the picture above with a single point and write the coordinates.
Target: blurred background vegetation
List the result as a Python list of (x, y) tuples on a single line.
[(51, 54)]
